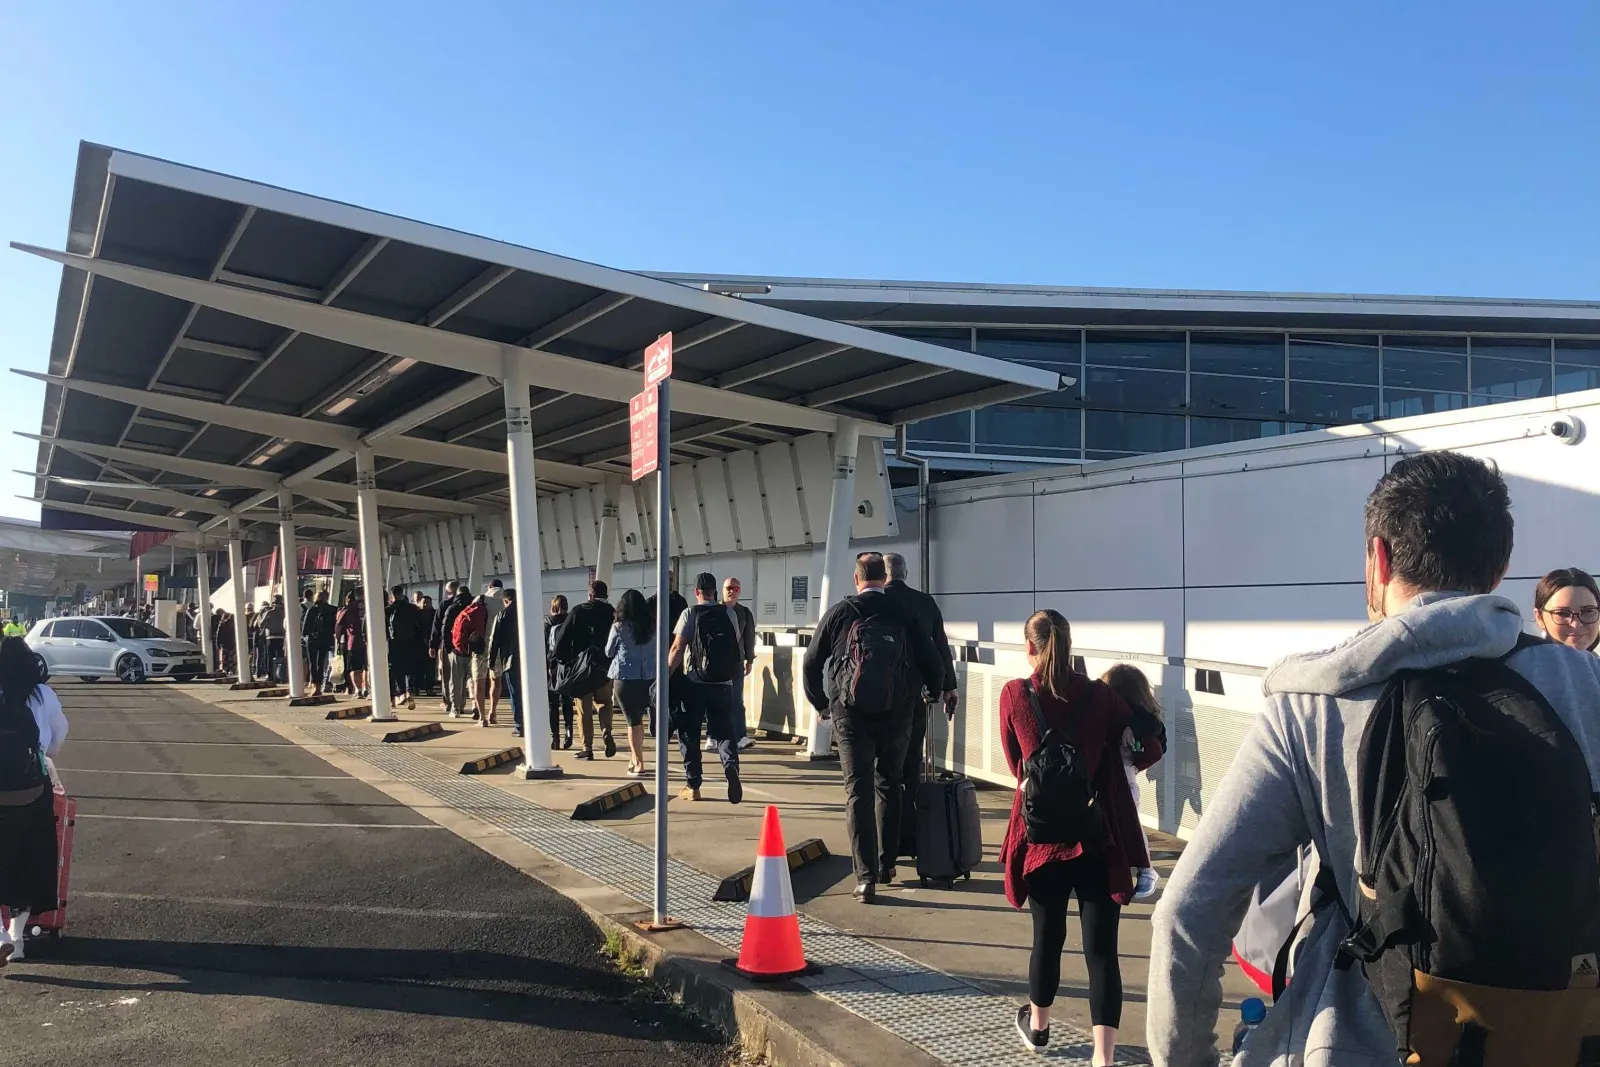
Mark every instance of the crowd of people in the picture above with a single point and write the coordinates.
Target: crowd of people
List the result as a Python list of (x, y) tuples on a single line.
[(1360, 752)]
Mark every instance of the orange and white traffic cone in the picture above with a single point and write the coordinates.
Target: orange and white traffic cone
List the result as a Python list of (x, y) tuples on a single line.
[(771, 948)]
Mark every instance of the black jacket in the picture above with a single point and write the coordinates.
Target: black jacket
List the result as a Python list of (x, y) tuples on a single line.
[(426, 617), (832, 638), (587, 626), (440, 638), (405, 621), (503, 638), (317, 626), (926, 611)]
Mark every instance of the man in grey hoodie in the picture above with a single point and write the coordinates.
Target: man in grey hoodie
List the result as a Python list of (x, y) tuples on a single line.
[(1439, 535)]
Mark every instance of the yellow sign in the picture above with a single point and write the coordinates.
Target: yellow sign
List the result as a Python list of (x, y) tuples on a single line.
[(152, 583)]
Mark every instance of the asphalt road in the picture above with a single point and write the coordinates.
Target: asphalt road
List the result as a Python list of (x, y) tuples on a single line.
[(237, 900)]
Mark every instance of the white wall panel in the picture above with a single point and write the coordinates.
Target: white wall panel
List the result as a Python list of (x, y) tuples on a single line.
[(783, 499), (767, 600), (1278, 525), (875, 514), (979, 616), (549, 540), (1118, 536), (630, 538), (748, 507), (499, 526), (1553, 495), (1260, 625), (983, 546), (1149, 621), (813, 454), (586, 503), (716, 506), (567, 530), (686, 511)]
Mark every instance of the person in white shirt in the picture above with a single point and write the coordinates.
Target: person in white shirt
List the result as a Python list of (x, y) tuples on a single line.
[(32, 728)]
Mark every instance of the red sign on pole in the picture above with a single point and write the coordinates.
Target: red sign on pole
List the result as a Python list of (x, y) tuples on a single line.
[(643, 411), (658, 360)]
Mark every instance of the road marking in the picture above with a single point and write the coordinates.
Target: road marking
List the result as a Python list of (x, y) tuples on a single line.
[(265, 822), (131, 741), (285, 905), (200, 774)]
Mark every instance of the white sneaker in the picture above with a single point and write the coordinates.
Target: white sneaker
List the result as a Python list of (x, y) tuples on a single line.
[(1144, 887), (711, 746), (15, 936), (747, 742)]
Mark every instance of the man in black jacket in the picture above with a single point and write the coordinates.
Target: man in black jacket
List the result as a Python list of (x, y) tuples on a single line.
[(586, 629), (404, 647), (317, 624), (426, 658), (926, 611), (872, 740), (439, 644)]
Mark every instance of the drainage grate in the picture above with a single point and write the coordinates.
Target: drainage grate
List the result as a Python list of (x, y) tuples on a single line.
[(952, 1020)]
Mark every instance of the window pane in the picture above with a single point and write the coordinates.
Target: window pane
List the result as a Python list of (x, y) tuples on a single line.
[(952, 338), (1425, 363), (1398, 403), (1142, 351), (1573, 379), (1260, 355), (1226, 431), (1160, 390), (1333, 404), (69, 628), (1126, 431), (1236, 396), (1585, 353), (1056, 350), (1497, 380), (944, 431), (1531, 349), (1016, 429), (1334, 359)]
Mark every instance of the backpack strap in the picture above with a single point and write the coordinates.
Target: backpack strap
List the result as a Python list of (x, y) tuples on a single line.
[(1038, 713)]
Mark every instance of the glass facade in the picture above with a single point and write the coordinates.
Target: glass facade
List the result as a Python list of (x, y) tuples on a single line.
[(1142, 391)]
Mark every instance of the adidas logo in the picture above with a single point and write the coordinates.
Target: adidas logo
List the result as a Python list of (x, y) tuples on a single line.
[(1585, 971)]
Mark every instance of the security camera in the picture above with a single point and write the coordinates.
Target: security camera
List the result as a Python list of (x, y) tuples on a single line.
[(1566, 429), (864, 509)]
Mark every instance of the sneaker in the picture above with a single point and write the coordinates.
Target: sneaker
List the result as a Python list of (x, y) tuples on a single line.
[(1034, 1040), (888, 875), (747, 742), (411, 702), (611, 746), (735, 787), (688, 792), (866, 892), (711, 746), (1145, 887), (516, 731), (587, 753)]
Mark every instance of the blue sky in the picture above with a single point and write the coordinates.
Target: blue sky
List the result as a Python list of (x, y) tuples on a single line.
[(1426, 147)]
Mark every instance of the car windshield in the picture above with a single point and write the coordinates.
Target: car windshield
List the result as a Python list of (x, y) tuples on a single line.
[(133, 628)]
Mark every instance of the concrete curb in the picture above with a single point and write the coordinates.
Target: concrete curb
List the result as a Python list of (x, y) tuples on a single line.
[(610, 800), (494, 759), (736, 887), (415, 733), (275, 691)]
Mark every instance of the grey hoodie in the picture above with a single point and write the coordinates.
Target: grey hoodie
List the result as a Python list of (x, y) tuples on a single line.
[(1293, 782)]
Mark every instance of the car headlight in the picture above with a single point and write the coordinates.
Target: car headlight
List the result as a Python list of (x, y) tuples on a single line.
[(158, 653)]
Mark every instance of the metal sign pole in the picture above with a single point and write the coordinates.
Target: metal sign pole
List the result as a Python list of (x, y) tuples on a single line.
[(663, 637)]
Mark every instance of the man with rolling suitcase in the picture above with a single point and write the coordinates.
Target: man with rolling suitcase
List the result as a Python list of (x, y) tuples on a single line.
[(875, 658)]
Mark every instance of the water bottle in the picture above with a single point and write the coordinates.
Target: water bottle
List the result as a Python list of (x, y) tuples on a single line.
[(1251, 1011)]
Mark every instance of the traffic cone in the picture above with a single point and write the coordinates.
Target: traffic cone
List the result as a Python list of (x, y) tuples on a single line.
[(771, 948)]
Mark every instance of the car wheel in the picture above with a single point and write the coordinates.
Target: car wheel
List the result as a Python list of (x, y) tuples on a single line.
[(130, 668), (44, 668), (91, 678)]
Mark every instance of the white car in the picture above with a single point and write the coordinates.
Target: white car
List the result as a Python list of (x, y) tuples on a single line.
[(94, 647)]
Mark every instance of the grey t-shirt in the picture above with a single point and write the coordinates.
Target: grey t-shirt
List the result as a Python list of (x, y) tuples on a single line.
[(685, 630)]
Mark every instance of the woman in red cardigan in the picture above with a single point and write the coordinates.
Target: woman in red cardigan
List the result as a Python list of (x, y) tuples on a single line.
[(1044, 877)]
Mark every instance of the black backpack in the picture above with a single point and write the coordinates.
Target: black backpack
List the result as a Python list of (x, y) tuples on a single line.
[(715, 655), (1058, 802), (1479, 902), (871, 675), (21, 761)]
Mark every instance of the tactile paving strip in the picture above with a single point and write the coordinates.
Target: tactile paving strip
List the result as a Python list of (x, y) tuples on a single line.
[(952, 1020)]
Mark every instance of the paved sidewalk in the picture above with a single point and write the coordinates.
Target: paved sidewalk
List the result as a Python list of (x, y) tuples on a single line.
[(940, 969)]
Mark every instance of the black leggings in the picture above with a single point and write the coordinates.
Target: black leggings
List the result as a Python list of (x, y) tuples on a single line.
[(1049, 888)]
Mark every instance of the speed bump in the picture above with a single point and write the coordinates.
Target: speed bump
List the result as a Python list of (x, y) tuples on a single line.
[(312, 701), (416, 733), (494, 759), (275, 691), (352, 711), (243, 687), (736, 887), (609, 801)]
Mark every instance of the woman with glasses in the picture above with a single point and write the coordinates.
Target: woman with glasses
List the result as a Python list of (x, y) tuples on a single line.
[(1566, 605)]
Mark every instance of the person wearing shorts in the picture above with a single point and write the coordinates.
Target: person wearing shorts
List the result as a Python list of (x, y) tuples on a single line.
[(631, 647)]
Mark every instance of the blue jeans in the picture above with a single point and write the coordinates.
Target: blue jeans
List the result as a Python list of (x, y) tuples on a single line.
[(508, 686), (710, 705)]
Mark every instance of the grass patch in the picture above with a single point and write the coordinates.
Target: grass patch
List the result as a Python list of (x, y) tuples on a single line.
[(618, 951)]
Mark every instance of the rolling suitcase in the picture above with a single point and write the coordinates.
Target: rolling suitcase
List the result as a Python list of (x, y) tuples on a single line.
[(52, 923), (949, 839)]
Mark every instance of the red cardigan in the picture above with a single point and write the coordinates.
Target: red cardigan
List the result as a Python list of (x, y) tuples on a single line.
[(1094, 718)]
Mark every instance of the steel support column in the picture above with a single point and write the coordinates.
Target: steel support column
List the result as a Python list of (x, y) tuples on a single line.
[(202, 620), (294, 662), (838, 564), (532, 686), (372, 586), (241, 597), (606, 555)]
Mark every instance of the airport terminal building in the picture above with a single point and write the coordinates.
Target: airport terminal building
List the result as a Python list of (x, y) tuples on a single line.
[(1162, 370)]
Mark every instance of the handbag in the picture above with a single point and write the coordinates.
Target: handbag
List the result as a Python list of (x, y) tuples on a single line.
[(583, 675)]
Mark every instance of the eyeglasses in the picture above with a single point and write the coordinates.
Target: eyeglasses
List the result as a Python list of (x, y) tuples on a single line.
[(1583, 616)]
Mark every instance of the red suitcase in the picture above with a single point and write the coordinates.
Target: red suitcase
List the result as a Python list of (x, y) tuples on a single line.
[(52, 923)]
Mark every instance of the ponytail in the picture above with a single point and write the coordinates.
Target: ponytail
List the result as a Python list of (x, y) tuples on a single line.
[(1051, 637)]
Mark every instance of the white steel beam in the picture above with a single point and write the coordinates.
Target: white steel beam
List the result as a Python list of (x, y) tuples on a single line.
[(372, 588), (157, 522), (219, 473)]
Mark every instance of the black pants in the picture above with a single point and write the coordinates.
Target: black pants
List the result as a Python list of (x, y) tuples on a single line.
[(911, 777), (709, 704), (317, 664), (560, 710), (1049, 888), (872, 754)]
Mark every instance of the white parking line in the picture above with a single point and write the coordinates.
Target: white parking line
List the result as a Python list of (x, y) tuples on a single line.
[(130, 741), (265, 822), (199, 774), (287, 905)]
